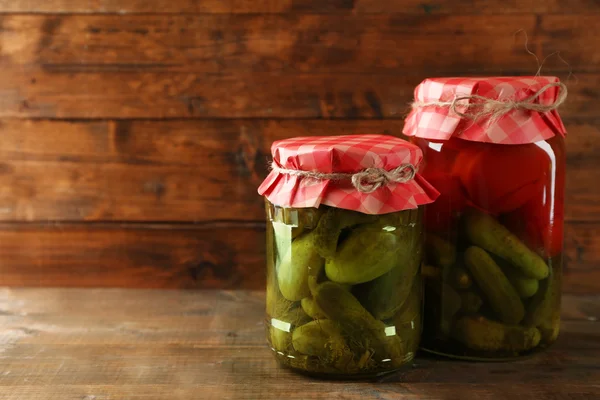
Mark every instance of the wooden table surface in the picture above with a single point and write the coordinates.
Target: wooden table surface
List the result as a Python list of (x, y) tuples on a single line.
[(101, 344)]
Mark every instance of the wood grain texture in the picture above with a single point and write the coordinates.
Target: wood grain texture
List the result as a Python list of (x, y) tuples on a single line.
[(216, 255), (209, 255), (190, 170), (145, 170), (353, 43), (136, 344), (143, 127), (303, 387), (476, 7), (167, 7), (34, 93), (582, 257)]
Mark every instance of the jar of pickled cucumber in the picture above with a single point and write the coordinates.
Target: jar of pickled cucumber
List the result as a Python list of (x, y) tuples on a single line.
[(494, 148), (344, 249)]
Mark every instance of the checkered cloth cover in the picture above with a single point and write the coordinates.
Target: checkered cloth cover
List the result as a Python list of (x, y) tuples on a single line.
[(516, 127), (345, 154)]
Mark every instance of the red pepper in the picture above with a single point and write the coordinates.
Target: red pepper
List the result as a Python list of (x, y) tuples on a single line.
[(443, 213), (501, 178), (439, 155)]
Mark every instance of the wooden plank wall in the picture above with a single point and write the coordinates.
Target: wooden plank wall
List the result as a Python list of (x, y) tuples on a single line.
[(133, 133)]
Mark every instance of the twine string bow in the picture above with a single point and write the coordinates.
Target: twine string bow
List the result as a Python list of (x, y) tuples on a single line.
[(365, 181), (486, 107)]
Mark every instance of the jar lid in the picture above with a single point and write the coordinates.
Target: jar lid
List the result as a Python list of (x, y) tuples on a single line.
[(506, 110), (372, 174)]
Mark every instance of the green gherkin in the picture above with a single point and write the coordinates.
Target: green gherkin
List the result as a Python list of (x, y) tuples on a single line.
[(366, 254), (281, 339), (310, 306), (358, 325), (471, 302), (479, 333), (459, 278), (277, 305), (330, 226), (302, 219), (407, 322), (321, 338), (484, 231), (282, 239), (439, 252), (411, 309), (545, 302), (526, 287), (496, 287), (451, 303), (385, 295), (296, 265)]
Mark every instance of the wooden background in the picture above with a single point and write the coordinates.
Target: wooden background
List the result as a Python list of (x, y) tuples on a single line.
[(133, 133)]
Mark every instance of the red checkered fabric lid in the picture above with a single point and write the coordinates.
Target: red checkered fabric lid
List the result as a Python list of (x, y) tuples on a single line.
[(348, 154), (431, 121)]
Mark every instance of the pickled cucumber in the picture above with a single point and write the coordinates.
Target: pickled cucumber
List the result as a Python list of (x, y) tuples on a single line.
[(439, 251), (282, 238), (340, 305), (301, 362), (295, 267), (282, 325), (459, 278), (294, 315), (311, 308), (484, 231), (495, 286), (277, 305), (302, 219), (330, 226), (479, 333), (357, 324), (407, 322), (471, 302), (316, 276), (411, 309), (366, 254), (321, 338), (545, 302), (451, 305), (526, 287), (384, 296), (280, 340)]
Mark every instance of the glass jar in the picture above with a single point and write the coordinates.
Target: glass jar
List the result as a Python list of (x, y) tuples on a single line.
[(494, 240), (344, 288)]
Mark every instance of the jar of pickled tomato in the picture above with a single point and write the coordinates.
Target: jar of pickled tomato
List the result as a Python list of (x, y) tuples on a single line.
[(494, 148)]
